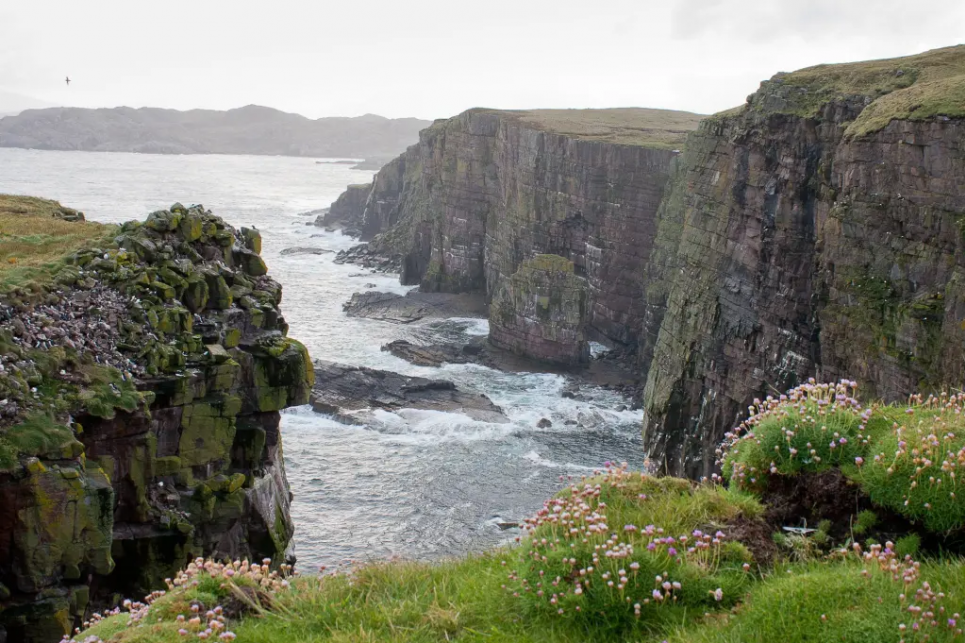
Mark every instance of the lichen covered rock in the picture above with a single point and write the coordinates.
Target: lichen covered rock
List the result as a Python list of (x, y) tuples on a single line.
[(139, 427), (541, 312)]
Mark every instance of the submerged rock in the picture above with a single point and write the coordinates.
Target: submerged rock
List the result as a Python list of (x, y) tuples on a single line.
[(341, 390), (303, 250)]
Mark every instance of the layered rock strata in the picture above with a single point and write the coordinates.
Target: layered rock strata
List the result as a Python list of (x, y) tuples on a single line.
[(817, 230), (814, 231), (158, 362), (541, 312), (486, 190), (343, 212)]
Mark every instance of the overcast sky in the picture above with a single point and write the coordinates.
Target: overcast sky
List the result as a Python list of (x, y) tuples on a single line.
[(432, 59)]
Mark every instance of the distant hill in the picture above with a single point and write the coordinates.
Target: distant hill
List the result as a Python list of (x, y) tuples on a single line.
[(247, 130), (12, 103)]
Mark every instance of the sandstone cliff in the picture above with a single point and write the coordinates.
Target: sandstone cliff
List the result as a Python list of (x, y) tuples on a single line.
[(540, 312), (141, 376), (814, 231), (817, 230), (486, 190)]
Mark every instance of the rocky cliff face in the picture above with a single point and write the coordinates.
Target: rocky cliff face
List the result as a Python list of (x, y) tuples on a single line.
[(815, 231), (540, 312), (142, 387), (343, 212), (486, 190), (808, 234)]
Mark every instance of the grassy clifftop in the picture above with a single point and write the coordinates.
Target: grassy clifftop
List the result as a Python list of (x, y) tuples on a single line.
[(916, 87), (657, 128), (624, 556), (37, 234)]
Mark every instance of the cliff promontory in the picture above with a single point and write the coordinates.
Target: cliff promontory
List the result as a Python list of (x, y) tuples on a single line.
[(486, 190), (141, 374)]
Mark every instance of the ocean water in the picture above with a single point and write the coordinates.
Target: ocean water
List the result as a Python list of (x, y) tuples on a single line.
[(420, 484)]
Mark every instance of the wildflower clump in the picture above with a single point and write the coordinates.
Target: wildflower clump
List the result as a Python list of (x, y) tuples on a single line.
[(197, 602), (810, 429), (906, 458), (596, 551), (914, 467)]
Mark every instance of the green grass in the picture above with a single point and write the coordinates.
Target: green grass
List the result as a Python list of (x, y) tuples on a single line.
[(915, 87), (822, 602), (657, 128), (34, 239), (846, 597), (37, 435)]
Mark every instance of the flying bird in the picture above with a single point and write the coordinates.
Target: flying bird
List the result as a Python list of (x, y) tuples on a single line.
[(68, 80)]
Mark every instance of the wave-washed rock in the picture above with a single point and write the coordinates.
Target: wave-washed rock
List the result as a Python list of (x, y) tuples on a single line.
[(413, 306), (141, 385), (350, 393)]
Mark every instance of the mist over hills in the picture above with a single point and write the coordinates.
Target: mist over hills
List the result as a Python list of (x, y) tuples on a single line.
[(12, 103), (246, 130)]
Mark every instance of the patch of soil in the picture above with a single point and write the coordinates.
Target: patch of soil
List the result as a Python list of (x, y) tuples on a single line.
[(809, 498), (755, 534)]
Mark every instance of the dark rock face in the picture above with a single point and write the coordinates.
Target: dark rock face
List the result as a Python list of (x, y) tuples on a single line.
[(438, 354), (413, 306), (135, 482), (541, 313), (486, 190), (367, 257), (787, 249), (346, 210), (339, 390)]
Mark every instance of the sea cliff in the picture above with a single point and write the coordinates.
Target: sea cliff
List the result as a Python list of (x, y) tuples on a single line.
[(814, 231), (817, 230), (142, 371)]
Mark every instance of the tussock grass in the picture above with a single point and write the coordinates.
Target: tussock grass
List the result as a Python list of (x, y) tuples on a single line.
[(38, 434), (657, 128), (34, 239), (907, 458), (919, 87)]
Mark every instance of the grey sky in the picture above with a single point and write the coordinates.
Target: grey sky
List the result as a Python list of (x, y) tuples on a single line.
[(430, 58)]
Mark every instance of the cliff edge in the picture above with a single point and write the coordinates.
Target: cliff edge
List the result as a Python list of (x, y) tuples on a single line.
[(141, 374)]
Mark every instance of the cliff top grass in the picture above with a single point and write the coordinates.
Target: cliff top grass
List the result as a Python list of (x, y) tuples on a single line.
[(619, 556), (36, 235), (923, 86), (657, 128)]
